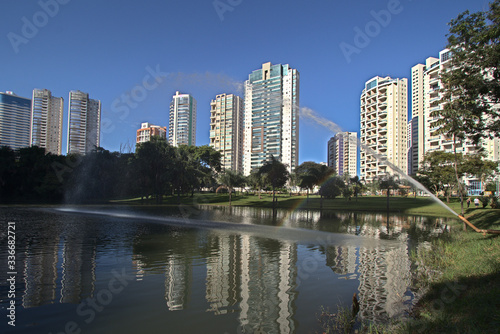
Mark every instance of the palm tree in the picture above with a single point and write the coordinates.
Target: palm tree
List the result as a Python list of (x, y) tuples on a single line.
[(388, 182), (231, 179)]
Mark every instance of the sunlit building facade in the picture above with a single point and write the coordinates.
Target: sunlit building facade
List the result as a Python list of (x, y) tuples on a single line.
[(226, 130), (343, 153), (383, 128), (84, 123), (426, 100), (148, 130), (271, 121), (182, 120), (15, 120), (47, 121)]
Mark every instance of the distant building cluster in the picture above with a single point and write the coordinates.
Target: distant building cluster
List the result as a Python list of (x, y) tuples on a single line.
[(265, 122), (39, 121), (246, 131), (388, 140)]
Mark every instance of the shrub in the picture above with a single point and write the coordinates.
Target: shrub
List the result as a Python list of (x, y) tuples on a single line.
[(494, 202), (484, 200)]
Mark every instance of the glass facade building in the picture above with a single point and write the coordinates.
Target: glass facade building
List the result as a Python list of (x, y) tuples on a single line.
[(182, 120), (271, 120), (84, 123), (15, 120)]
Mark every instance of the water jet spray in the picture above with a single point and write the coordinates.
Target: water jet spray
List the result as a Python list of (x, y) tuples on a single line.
[(312, 115)]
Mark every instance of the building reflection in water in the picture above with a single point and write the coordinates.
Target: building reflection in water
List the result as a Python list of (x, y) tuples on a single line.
[(40, 270), (253, 277), (75, 250), (178, 277)]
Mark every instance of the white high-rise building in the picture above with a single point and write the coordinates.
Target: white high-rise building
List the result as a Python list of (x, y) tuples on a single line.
[(426, 95), (182, 120), (15, 115), (84, 123), (343, 153), (384, 108), (271, 121), (426, 88), (226, 130), (147, 131), (47, 121)]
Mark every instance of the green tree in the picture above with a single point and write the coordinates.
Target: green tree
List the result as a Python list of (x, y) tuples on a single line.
[(332, 187), (387, 183), (312, 174), (357, 186), (475, 164), (7, 173), (275, 174), (155, 161), (256, 181), (231, 179), (471, 86), (440, 169)]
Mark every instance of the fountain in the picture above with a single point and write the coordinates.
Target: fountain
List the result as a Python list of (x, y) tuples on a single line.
[(312, 115)]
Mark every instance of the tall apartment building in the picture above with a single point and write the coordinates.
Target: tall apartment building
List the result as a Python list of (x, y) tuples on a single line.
[(384, 108), (343, 153), (47, 121), (426, 92), (147, 131), (271, 121), (182, 120), (412, 149), (226, 130), (15, 120), (426, 95), (84, 123)]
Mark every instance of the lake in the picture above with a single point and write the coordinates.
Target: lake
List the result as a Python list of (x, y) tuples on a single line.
[(149, 269)]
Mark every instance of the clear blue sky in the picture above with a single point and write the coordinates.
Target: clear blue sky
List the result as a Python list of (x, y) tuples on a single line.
[(107, 48)]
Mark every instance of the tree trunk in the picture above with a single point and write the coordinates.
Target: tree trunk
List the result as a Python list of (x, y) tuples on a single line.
[(388, 194), (459, 184), (230, 192)]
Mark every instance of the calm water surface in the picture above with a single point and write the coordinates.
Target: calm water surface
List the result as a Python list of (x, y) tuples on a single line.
[(209, 270)]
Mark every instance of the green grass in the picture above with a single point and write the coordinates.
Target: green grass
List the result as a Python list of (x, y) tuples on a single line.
[(409, 205), (465, 297)]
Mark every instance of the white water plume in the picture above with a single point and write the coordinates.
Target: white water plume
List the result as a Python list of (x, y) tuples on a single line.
[(298, 235), (312, 115)]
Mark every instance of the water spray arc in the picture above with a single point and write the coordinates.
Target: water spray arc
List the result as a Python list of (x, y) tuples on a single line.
[(312, 115)]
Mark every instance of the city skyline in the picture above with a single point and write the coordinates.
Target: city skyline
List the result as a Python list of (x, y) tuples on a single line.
[(135, 72)]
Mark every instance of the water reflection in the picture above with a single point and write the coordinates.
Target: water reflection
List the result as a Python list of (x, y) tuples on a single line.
[(255, 281)]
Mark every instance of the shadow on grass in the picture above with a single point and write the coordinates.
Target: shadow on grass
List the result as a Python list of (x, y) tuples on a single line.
[(469, 305), (483, 219)]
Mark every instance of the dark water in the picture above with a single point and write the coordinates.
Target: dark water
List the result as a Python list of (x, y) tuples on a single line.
[(208, 270)]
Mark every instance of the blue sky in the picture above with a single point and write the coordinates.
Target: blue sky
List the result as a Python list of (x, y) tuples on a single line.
[(134, 55)]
